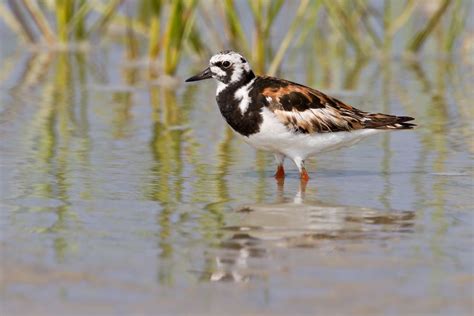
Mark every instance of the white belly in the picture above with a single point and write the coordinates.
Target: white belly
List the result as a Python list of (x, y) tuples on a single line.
[(275, 137)]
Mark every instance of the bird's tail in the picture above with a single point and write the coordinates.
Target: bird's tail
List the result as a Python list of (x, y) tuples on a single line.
[(385, 121)]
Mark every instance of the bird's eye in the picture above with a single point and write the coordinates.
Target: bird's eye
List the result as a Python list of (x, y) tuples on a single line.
[(226, 64)]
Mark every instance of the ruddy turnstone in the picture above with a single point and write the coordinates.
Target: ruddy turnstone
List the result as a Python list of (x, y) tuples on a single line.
[(287, 118)]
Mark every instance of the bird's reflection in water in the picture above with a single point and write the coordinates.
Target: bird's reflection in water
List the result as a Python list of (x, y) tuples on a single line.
[(297, 222)]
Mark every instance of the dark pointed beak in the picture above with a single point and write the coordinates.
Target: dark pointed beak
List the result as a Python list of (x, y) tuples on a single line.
[(206, 74)]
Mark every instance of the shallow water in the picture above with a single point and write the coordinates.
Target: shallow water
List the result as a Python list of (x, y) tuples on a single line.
[(123, 196)]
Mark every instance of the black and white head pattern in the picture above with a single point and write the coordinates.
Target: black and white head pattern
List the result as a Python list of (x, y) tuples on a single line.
[(229, 67)]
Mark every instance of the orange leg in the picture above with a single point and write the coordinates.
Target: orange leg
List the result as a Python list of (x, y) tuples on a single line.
[(280, 173), (304, 175)]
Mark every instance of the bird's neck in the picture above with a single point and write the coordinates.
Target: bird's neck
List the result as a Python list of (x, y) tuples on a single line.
[(230, 87), (236, 105)]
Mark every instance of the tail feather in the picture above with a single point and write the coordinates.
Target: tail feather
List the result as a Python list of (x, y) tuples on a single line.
[(385, 121)]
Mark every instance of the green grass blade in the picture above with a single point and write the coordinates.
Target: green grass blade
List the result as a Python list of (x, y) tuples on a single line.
[(64, 11), (419, 39), (19, 16), (107, 14), (300, 12), (237, 35), (40, 20), (345, 25), (155, 29), (395, 24)]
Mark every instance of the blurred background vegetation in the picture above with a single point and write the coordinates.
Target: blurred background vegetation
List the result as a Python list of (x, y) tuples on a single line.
[(161, 32)]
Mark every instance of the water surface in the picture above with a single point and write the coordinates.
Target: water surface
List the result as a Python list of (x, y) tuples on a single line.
[(120, 195)]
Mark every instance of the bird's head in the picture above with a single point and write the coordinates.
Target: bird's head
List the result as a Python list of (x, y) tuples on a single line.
[(227, 67)]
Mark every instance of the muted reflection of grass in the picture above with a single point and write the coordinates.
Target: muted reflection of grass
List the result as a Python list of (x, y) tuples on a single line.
[(203, 173), (463, 95), (8, 65), (441, 147), (123, 101), (441, 115), (165, 146), (353, 74), (62, 99), (213, 219), (387, 151), (434, 149), (166, 187), (83, 127), (260, 165), (36, 69), (50, 135)]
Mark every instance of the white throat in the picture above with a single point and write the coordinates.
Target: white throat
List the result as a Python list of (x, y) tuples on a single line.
[(220, 86)]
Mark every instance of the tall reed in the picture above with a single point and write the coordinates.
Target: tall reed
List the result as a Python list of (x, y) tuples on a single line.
[(165, 29)]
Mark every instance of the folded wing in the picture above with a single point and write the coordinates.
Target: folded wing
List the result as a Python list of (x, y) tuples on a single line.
[(307, 110)]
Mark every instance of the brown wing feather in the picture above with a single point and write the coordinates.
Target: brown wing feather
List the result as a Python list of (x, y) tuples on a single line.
[(308, 110)]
